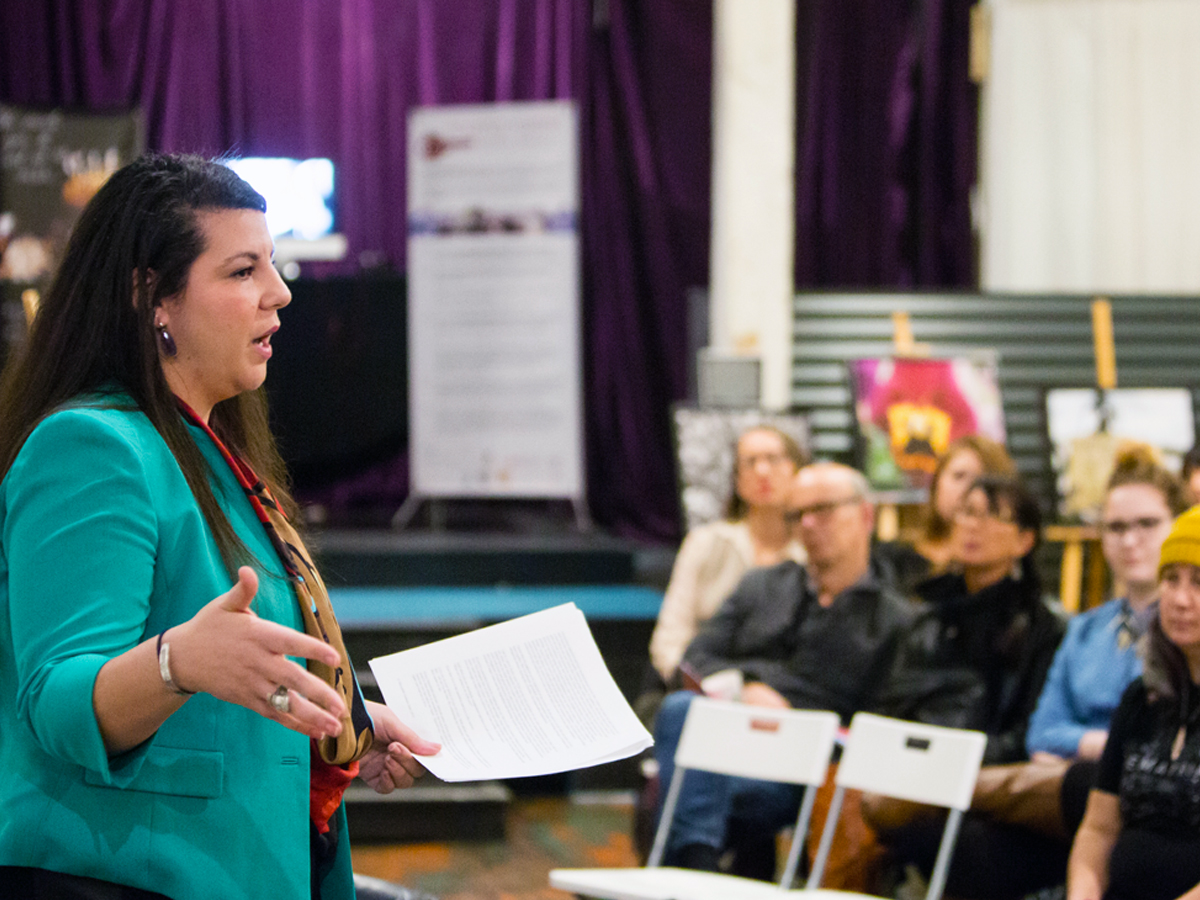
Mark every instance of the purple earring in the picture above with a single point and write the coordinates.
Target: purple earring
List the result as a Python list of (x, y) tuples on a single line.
[(166, 341)]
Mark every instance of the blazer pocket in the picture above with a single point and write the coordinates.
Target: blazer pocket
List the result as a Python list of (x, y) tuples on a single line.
[(175, 770)]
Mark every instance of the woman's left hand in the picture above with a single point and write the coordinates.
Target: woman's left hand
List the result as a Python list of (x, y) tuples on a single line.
[(390, 763)]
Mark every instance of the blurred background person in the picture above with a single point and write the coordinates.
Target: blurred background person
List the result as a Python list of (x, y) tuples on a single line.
[(713, 557), (931, 551), (977, 657), (1140, 837), (1097, 659)]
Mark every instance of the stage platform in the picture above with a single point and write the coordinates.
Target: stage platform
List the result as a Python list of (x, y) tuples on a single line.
[(425, 558), (396, 590)]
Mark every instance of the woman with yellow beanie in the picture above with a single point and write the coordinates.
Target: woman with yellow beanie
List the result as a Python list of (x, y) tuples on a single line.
[(1140, 837)]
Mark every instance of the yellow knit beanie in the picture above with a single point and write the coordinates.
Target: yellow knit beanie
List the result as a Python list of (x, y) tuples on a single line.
[(1183, 543)]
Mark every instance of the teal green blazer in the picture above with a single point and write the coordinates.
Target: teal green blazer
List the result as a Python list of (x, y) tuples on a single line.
[(102, 546)]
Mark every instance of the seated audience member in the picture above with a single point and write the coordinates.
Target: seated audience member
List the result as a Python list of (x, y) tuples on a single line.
[(711, 561), (818, 636), (1097, 659), (965, 460), (976, 657), (1094, 664), (1140, 837), (985, 638), (714, 556)]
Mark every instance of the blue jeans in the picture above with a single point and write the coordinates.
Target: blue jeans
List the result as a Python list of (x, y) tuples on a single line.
[(708, 802)]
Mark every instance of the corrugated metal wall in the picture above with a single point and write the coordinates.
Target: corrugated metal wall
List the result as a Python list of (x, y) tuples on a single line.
[(1041, 342)]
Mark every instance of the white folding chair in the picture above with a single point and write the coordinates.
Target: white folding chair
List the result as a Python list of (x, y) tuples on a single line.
[(909, 761), (785, 745)]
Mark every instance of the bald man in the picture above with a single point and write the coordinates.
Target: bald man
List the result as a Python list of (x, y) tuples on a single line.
[(819, 636)]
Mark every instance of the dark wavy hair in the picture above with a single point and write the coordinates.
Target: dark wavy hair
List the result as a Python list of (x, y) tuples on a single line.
[(1165, 670), (1011, 491), (133, 246)]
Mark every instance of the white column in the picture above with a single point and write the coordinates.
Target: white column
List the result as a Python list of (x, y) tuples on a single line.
[(753, 187)]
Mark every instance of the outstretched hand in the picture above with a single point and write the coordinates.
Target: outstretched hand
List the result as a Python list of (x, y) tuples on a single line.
[(228, 651), (390, 763)]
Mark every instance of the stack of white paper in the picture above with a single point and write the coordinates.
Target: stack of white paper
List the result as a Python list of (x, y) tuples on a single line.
[(530, 696)]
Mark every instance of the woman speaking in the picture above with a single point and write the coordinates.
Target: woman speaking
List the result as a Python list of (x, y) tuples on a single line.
[(178, 715)]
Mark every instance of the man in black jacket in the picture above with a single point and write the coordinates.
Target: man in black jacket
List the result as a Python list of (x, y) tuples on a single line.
[(819, 636)]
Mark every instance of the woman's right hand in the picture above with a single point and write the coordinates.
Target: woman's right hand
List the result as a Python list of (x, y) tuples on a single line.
[(228, 651)]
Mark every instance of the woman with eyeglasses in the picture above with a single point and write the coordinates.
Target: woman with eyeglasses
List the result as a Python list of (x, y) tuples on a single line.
[(711, 561), (986, 633), (1097, 660), (976, 658), (1140, 837), (714, 556)]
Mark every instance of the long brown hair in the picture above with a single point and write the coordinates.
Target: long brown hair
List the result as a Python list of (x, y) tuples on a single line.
[(995, 460), (133, 246)]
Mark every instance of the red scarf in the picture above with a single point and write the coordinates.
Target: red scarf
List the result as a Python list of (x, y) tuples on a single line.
[(328, 779)]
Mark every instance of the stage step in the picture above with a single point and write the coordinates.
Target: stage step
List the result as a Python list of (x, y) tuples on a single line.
[(430, 810), (411, 559)]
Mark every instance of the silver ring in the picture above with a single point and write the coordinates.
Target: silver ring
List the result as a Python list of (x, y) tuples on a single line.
[(280, 700)]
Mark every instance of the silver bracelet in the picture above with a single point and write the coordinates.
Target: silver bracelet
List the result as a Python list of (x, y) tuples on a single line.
[(164, 667)]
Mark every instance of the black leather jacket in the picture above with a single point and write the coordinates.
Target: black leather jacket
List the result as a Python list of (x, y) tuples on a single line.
[(976, 660), (772, 629)]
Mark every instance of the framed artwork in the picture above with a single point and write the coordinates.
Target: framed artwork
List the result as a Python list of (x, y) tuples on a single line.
[(1086, 426), (51, 164), (705, 441), (908, 409)]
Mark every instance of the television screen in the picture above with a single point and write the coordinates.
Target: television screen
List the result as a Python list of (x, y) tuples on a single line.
[(299, 193)]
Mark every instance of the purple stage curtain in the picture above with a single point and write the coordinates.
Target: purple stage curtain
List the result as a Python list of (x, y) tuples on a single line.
[(885, 140), (886, 146)]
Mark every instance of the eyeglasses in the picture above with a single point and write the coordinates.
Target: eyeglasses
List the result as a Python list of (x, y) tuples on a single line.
[(966, 514), (1139, 527), (820, 510)]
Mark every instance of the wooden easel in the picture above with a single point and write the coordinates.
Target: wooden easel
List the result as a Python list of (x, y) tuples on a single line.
[(887, 515), (1072, 585)]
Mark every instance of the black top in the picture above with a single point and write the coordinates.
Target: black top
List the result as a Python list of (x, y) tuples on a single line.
[(1157, 854), (773, 630), (901, 565), (977, 660)]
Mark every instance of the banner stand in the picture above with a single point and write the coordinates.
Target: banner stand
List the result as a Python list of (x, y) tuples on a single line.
[(494, 336)]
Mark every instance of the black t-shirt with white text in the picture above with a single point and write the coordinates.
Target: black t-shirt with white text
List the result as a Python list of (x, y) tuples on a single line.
[(1157, 854)]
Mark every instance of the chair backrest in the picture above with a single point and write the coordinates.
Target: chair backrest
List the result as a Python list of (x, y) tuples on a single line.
[(786, 745), (911, 761)]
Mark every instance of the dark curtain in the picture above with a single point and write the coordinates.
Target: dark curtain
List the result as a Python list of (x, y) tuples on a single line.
[(886, 145), (648, 154), (885, 139)]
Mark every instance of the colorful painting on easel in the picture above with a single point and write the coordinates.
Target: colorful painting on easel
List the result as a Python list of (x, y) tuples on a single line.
[(909, 409), (1085, 426)]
